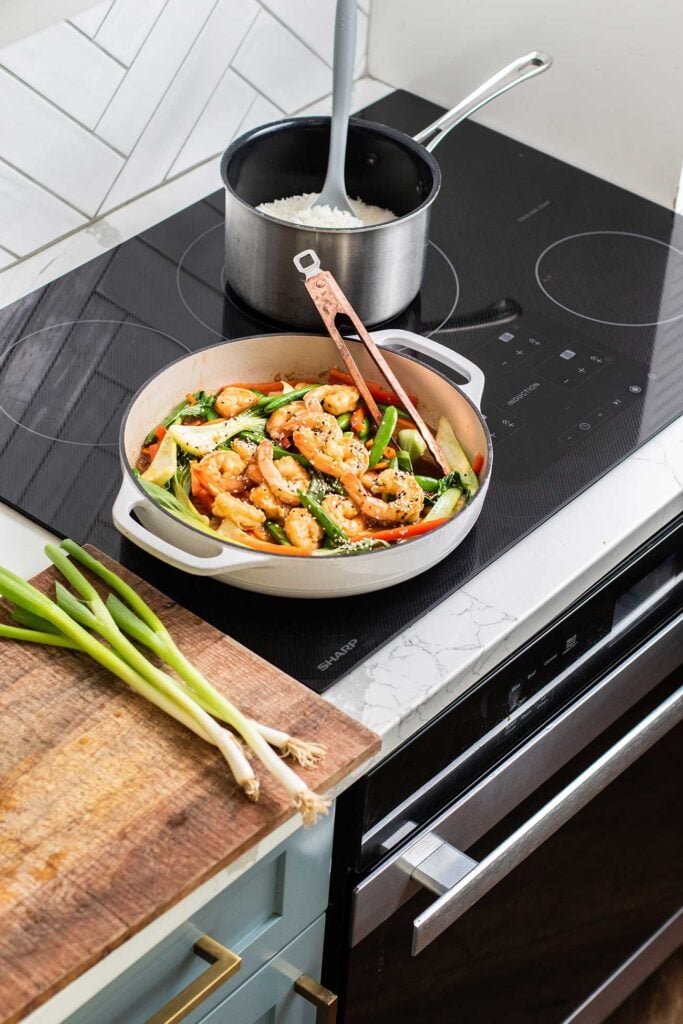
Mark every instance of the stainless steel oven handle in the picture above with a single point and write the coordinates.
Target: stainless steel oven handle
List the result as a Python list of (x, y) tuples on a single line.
[(486, 874)]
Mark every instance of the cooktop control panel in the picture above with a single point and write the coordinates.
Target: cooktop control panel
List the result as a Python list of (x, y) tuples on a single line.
[(548, 389)]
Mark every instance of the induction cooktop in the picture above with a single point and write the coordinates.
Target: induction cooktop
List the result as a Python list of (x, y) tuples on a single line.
[(566, 290)]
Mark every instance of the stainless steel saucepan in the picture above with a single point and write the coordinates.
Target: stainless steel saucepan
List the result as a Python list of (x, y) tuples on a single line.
[(380, 267)]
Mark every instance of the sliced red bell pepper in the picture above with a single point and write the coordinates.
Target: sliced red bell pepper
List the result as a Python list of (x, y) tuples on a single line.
[(378, 392), (478, 463), (160, 432), (404, 532)]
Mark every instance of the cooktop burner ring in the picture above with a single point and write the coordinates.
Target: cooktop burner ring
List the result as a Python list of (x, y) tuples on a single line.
[(270, 324), (117, 324), (456, 279), (596, 319)]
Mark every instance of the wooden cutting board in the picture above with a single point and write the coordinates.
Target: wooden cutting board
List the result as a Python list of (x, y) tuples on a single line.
[(110, 811)]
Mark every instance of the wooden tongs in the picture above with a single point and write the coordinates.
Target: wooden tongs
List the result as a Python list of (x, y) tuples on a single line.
[(330, 301)]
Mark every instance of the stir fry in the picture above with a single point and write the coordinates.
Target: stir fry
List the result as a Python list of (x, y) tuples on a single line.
[(300, 468)]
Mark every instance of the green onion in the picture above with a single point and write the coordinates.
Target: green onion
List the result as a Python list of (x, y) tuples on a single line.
[(205, 695), (385, 432)]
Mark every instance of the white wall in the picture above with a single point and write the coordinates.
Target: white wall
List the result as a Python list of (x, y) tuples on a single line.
[(128, 94), (612, 103)]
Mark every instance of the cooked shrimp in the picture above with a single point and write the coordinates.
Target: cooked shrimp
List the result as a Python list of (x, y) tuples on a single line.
[(280, 423), (284, 477), (221, 471), (231, 401), (245, 449), (302, 530), (241, 513), (263, 498), (332, 455), (408, 496), (337, 398), (345, 514)]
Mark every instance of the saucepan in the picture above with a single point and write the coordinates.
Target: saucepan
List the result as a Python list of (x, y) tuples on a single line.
[(379, 267), (162, 535)]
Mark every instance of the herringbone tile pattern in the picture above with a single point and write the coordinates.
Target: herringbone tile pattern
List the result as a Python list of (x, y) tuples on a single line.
[(100, 109)]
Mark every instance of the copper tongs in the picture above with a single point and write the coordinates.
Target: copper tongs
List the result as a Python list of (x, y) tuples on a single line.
[(330, 301)]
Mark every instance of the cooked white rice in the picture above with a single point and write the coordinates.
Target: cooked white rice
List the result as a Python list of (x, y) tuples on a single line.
[(299, 210)]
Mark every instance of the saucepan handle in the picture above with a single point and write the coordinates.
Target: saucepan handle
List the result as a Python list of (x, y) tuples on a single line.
[(129, 499), (512, 74), (474, 388)]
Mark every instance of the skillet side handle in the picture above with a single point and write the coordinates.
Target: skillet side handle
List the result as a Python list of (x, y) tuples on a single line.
[(129, 499), (406, 340)]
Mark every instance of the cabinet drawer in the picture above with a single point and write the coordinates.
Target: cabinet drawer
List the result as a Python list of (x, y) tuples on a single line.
[(254, 917), (269, 997)]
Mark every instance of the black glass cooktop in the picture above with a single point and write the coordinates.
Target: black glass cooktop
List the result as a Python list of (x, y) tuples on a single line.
[(566, 290)]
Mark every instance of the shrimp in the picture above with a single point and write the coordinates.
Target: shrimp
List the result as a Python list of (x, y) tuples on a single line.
[(285, 477), (332, 455), (241, 513), (280, 423), (345, 514), (263, 498), (221, 471), (302, 530), (231, 401), (337, 398), (408, 496)]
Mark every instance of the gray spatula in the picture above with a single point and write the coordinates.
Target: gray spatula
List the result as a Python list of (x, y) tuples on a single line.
[(334, 189)]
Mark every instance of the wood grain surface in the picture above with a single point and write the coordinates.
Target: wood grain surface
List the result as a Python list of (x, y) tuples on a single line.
[(110, 811)]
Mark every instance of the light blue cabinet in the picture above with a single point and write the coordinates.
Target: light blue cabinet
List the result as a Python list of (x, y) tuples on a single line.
[(269, 996), (256, 917)]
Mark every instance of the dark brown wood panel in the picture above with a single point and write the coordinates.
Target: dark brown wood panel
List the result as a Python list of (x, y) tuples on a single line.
[(110, 812)]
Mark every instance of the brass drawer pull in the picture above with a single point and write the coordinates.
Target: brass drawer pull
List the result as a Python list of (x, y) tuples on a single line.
[(224, 963), (324, 1001)]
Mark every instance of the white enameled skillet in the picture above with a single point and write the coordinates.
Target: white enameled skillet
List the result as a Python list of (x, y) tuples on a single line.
[(160, 534)]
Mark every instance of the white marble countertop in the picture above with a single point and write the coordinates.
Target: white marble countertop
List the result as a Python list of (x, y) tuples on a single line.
[(416, 675)]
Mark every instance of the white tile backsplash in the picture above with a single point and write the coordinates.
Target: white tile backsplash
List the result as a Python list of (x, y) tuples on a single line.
[(29, 216), (89, 21), (128, 94), (218, 122), (6, 258), (60, 62), (292, 75), (152, 72), (126, 26), (51, 148)]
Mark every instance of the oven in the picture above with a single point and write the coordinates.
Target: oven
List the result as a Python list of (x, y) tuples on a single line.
[(518, 861)]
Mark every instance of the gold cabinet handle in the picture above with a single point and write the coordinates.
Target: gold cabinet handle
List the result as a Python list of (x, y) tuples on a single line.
[(324, 1001), (224, 963)]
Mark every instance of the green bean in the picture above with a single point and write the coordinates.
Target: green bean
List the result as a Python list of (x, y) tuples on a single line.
[(427, 483), (333, 531), (277, 533), (385, 432), (270, 404), (365, 429), (344, 420)]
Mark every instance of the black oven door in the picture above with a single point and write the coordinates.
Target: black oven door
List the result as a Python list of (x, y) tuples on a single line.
[(555, 913)]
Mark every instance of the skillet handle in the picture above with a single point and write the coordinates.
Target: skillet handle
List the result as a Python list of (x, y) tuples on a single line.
[(129, 499), (474, 388)]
